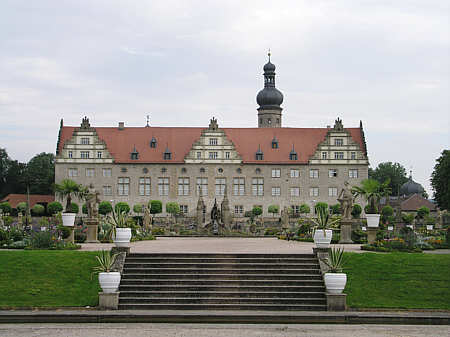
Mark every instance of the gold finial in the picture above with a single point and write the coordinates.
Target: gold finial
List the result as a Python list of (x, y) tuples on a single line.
[(268, 54)]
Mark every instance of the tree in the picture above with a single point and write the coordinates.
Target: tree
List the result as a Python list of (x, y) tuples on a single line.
[(41, 172), (440, 180), (122, 207), (172, 208), (356, 211), (137, 208), (21, 207), (74, 208), (408, 218), (38, 210), (5, 207), (155, 206), (105, 207), (274, 209), (395, 173), (69, 189), (372, 191), (386, 212), (304, 209), (257, 211), (422, 212), (54, 207)]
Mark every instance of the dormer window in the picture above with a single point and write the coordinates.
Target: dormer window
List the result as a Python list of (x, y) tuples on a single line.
[(293, 154), (274, 143), (153, 143), (259, 154), (167, 155), (134, 154)]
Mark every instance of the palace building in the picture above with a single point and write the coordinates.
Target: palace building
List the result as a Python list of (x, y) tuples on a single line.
[(267, 165)]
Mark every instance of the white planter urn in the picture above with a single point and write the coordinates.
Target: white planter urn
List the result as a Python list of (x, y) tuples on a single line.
[(335, 282), (373, 220), (109, 282), (322, 238), (68, 219), (123, 237)]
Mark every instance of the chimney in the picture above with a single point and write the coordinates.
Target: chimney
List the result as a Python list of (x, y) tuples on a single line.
[(121, 125)]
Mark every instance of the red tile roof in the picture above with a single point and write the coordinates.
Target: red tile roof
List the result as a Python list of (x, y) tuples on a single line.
[(414, 202), (14, 199), (179, 140)]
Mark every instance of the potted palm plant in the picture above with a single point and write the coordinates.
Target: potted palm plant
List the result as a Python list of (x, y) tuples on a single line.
[(68, 189), (109, 280), (322, 232), (120, 230), (372, 191), (334, 278)]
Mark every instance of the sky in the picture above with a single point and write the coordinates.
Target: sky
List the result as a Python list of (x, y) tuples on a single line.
[(182, 62)]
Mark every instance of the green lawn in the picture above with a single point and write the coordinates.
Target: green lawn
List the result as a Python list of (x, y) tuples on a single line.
[(47, 279), (398, 280)]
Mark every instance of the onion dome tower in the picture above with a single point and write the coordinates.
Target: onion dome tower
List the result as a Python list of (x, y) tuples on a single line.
[(411, 187), (269, 100)]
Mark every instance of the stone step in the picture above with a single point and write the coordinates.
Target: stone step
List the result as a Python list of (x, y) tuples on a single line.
[(319, 287), (256, 307), (219, 255), (199, 260), (218, 300), (249, 277), (221, 265), (221, 283), (220, 294), (185, 271)]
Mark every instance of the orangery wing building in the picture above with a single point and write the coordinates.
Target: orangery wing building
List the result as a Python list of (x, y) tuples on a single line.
[(262, 166)]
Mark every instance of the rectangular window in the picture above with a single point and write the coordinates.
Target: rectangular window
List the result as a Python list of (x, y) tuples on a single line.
[(84, 154), (313, 173), (295, 209), (276, 191), (353, 155), (107, 172), (213, 141), (73, 172), (258, 186), (295, 191), (227, 155), (199, 155), (107, 190), (295, 173), (332, 191), (70, 154), (324, 155), (338, 142), (144, 186), (353, 173), (332, 173), (239, 209), (99, 154), (202, 186), (238, 186), (276, 173), (123, 186), (163, 186), (220, 186), (339, 155), (183, 186), (85, 141), (213, 155), (313, 191), (90, 172), (184, 209)]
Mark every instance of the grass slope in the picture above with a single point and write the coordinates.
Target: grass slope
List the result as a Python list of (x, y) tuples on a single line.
[(398, 280), (47, 279)]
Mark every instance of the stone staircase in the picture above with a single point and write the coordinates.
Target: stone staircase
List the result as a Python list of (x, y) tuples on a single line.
[(276, 282)]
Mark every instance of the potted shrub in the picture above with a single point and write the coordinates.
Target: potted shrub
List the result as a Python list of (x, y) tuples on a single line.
[(372, 191), (69, 189), (109, 280), (322, 233), (120, 229), (334, 278)]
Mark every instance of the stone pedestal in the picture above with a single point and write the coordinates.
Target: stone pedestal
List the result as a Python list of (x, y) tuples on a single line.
[(336, 302), (125, 250), (71, 237), (92, 232), (346, 231), (108, 301), (372, 234)]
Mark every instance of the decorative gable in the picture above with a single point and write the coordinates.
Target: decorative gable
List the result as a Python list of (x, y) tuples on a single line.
[(213, 147), (84, 147), (339, 148)]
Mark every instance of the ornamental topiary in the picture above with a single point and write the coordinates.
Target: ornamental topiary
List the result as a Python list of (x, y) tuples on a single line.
[(105, 207), (5, 207), (122, 207), (54, 207), (38, 210)]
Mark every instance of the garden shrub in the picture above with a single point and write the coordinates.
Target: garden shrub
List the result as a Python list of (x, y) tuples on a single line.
[(105, 207), (137, 208), (304, 209), (74, 207), (336, 209), (42, 240), (359, 236), (63, 231), (5, 207), (257, 210), (271, 231), (321, 207), (4, 235), (155, 206), (356, 211), (21, 207), (304, 229), (122, 207), (158, 231), (54, 207), (15, 234), (38, 210), (84, 209)]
